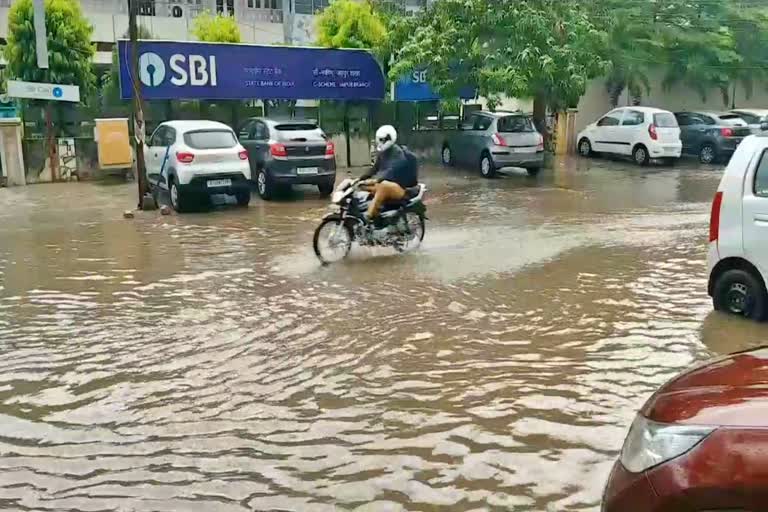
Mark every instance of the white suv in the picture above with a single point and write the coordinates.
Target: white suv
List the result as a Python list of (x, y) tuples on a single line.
[(643, 133), (738, 233), (193, 160)]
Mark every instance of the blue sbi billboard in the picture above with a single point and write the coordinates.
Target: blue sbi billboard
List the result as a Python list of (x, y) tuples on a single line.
[(415, 87), (188, 70)]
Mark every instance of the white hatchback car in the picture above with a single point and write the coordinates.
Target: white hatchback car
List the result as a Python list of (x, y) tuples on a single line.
[(193, 160), (738, 233), (643, 133)]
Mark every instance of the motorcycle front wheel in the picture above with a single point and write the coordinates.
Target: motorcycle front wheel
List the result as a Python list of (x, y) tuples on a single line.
[(332, 241)]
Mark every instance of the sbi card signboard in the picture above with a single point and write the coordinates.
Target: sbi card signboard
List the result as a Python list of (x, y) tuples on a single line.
[(415, 87), (186, 70)]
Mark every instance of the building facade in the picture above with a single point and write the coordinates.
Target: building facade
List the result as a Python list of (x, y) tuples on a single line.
[(260, 21)]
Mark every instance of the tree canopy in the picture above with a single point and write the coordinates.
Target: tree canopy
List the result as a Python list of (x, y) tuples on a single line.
[(351, 24), (216, 29), (69, 45), (542, 49), (549, 49)]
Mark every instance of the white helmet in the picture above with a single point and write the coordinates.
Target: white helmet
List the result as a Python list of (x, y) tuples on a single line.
[(386, 136)]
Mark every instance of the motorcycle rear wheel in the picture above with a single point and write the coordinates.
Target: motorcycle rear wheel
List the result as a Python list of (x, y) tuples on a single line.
[(417, 228), (332, 241)]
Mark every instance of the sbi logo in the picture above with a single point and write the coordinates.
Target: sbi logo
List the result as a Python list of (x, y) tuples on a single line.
[(194, 70)]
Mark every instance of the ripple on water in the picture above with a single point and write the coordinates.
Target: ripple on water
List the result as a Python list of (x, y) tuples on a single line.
[(208, 362)]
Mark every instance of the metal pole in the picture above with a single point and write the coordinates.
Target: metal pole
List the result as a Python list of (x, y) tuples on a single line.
[(41, 37), (138, 111)]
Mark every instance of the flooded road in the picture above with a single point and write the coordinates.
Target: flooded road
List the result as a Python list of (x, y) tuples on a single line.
[(207, 362)]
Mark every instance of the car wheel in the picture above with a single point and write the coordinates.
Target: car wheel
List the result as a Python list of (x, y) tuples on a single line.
[(243, 197), (447, 156), (264, 185), (179, 200), (640, 155), (487, 168), (585, 148), (326, 188), (533, 171), (707, 154), (739, 292)]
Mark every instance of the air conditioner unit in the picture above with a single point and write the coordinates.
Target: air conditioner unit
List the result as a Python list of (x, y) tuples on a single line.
[(177, 11)]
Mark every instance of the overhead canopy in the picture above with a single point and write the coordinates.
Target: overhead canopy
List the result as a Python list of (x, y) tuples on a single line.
[(191, 70)]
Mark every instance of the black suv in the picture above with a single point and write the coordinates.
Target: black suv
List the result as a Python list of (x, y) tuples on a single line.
[(286, 153)]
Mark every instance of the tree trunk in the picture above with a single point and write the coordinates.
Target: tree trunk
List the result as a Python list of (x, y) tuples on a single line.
[(540, 115), (50, 142)]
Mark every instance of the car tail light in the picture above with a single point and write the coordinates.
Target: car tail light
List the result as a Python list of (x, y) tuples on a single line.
[(540, 144), (726, 132), (652, 132), (714, 218), (498, 140), (330, 149), (278, 149), (185, 157), (243, 154)]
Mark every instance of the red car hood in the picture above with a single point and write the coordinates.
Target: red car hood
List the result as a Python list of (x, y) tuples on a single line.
[(729, 391)]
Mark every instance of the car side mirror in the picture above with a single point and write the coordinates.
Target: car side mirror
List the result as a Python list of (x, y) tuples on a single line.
[(764, 126)]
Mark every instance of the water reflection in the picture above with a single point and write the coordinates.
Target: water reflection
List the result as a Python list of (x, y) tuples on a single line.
[(207, 362)]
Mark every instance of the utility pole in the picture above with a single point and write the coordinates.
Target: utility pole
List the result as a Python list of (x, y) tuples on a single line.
[(139, 129)]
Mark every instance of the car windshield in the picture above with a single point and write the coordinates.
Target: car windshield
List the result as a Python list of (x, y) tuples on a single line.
[(664, 120), (300, 132), (210, 139), (515, 124)]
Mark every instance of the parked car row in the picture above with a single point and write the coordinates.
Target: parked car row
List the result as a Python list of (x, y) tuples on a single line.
[(194, 160), (647, 134)]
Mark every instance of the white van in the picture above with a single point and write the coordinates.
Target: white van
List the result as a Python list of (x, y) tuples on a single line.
[(738, 233)]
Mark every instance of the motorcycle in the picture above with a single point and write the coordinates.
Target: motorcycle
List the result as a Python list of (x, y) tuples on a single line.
[(400, 225)]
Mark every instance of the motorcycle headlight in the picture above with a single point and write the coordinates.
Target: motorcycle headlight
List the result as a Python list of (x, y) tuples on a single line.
[(337, 196), (649, 443)]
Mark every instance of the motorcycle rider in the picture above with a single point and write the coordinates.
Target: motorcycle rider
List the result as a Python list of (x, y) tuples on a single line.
[(393, 171)]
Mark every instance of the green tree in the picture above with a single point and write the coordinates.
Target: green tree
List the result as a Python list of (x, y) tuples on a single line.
[(216, 29), (749, 26), (69, 54), (351, 24), (541, 49)]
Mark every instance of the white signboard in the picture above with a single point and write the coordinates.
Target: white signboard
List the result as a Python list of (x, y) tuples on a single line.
[(43, 91)]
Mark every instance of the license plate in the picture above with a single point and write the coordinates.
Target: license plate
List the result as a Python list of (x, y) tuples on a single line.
[(523, 150), (306, 170), (219, 183)]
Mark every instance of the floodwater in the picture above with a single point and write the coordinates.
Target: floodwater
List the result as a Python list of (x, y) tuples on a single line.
[(207, 362)]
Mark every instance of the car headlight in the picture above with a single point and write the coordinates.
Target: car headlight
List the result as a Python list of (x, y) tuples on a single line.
[(649, 443)]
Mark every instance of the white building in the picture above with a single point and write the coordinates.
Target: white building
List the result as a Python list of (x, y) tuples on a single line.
[(260, 21)]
